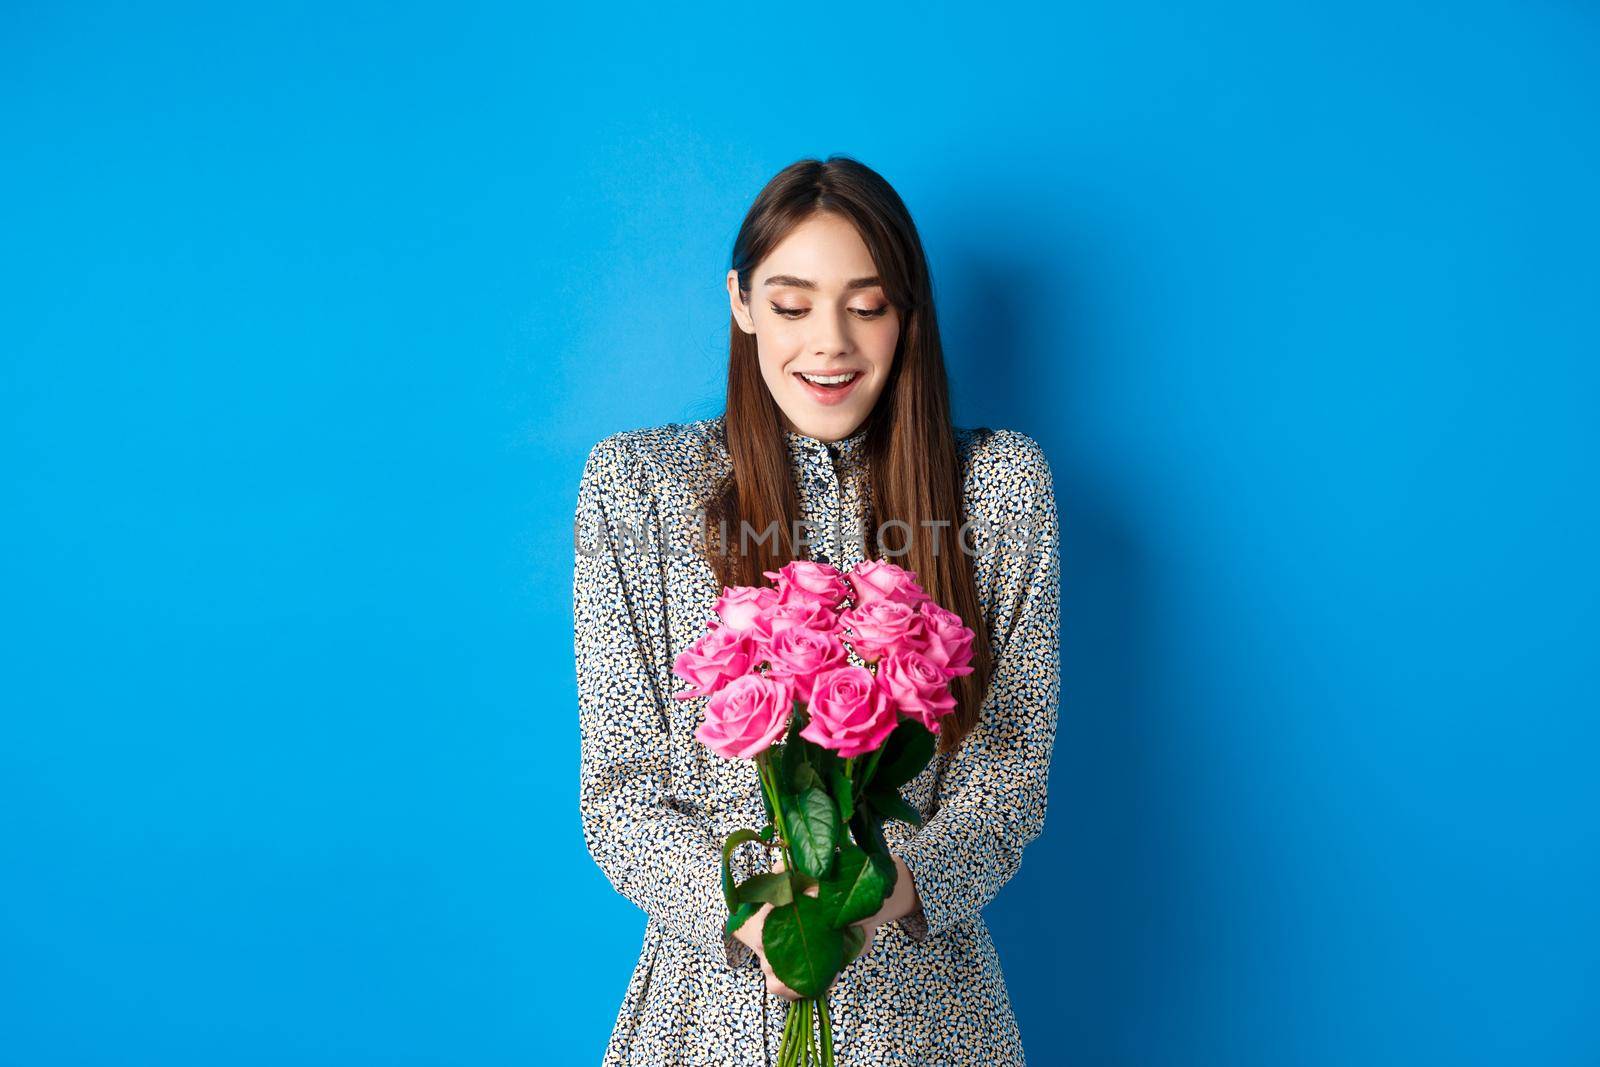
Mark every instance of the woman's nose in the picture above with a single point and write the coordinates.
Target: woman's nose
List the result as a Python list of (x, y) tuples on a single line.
[(832, 336)]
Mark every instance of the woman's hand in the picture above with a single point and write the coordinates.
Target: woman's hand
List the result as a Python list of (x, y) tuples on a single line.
[(893, 907), (750, 933), (900, 902)]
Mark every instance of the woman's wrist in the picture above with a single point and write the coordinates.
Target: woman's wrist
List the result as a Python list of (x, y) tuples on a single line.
[(902, 900)]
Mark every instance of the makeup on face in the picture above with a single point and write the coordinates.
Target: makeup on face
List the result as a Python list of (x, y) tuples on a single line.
[(829, 389), (827, 332)]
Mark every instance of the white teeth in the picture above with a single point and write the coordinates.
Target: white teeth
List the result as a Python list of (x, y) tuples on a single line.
[(828, 379)]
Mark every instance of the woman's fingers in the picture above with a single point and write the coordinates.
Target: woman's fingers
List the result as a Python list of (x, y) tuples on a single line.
[(774, 984), (777, 866), (749, 931)]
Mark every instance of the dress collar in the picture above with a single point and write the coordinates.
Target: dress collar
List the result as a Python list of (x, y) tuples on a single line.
[(847, 452)]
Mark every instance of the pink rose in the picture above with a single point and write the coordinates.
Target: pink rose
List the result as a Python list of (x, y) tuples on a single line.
[(720, 655), (881, 625), (804, 614), (948, 639), (808, 580), (740, 607), (800, 653), (746, 716), (916, 686), (849, 713), (876, 579)]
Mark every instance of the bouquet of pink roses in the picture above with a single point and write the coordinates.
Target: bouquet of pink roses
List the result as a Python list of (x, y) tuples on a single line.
[(777, 664)]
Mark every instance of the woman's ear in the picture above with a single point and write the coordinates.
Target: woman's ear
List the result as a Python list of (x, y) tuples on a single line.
[(741, 311)]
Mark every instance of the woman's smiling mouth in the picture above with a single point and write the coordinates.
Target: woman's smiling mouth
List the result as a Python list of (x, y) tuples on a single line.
[(828, 388)]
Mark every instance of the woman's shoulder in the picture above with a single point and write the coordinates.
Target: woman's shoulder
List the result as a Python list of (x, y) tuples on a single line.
[(648, 456), (1002, 460)]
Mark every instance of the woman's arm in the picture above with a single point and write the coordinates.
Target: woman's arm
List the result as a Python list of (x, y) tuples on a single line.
[(663, 859), (992, 803)]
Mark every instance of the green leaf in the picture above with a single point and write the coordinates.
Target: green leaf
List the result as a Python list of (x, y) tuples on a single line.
[(793, 755), (821, 758), (766, 889), (803, 882), (855, 939), (905, 754), (813, 825), (805, 777), (858, 888), (740, 916), (892, 805), (866, 826), (805, 952), (733, 841)]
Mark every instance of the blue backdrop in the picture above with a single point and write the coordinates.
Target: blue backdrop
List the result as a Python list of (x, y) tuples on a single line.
[(308, 319)]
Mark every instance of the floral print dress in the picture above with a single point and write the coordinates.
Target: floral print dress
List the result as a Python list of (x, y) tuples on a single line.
[(655, 803)]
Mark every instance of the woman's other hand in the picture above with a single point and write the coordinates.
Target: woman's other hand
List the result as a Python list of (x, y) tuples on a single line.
[(750, 933)]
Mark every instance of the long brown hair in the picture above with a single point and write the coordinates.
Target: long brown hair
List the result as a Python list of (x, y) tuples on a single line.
[(910, 447)]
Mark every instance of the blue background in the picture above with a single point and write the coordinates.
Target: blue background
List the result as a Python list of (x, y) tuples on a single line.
[(309, 317)]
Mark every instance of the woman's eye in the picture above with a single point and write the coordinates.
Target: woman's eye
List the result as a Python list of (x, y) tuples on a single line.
[(866, 313)]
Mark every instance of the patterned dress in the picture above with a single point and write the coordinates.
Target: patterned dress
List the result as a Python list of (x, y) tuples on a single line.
[(656, 804)]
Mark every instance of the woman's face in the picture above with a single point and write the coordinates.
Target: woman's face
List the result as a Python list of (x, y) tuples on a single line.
[(816, 309)]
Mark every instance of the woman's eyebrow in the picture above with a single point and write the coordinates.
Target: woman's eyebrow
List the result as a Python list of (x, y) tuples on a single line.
[(801, 283)]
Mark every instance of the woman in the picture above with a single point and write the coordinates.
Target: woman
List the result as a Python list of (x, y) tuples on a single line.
[(835, 445)]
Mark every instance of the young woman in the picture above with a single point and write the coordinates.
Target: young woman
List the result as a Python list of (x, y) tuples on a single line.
[(835, 445)]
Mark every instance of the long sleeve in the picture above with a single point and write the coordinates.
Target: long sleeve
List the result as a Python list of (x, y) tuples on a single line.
[(992, 802), (662, 858)]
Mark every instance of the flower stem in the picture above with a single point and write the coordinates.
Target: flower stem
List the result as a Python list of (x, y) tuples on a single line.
[(827, 1031), (786, 1050), (791, 1027), (769, 786), (866, 772)]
